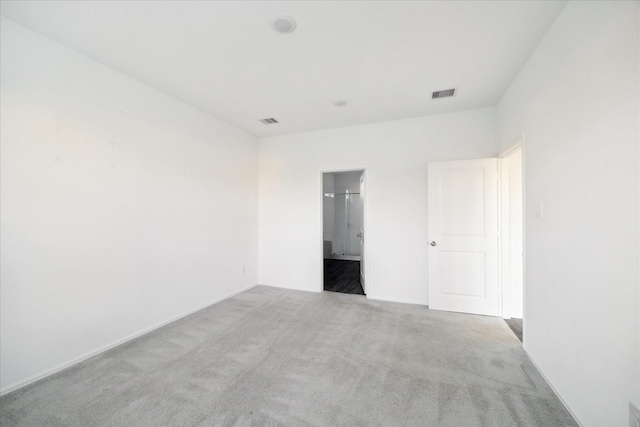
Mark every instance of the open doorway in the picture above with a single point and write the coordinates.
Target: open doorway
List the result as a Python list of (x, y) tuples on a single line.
[(512, 240), (474, 266), (343, 231)]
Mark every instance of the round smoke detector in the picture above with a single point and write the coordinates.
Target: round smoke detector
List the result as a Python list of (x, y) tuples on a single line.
[(283, 24), (340, 102)]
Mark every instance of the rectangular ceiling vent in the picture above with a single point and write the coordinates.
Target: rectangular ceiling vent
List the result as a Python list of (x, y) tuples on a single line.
[(269, 121), (443, 93)]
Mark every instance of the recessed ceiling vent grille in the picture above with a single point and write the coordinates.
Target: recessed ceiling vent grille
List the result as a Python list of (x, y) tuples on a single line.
[(443, 93), (269, 121)]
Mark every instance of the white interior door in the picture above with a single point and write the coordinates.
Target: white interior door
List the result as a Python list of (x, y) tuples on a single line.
[(361, 234), (463, 234)]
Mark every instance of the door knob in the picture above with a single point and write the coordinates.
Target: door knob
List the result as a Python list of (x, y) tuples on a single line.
[(433, 243)]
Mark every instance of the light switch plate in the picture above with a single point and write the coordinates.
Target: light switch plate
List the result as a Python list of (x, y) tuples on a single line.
[(539, 210), (634, 416)]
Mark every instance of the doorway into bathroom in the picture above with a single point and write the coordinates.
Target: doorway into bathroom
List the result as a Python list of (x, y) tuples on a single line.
[(343, 232)]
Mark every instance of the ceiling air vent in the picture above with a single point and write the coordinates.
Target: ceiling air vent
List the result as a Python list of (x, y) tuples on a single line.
[(443, 93), (269, 121)]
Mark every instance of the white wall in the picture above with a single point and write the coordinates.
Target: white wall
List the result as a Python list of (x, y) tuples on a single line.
[(577, 102), (121, 207), (395, 155)]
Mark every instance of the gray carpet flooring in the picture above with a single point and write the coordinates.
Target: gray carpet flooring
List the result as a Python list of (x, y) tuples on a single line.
[(271, 357), (516, 326)]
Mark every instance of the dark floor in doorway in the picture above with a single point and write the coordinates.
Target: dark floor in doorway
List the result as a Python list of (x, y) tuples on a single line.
[(516, 326), (342, 276)]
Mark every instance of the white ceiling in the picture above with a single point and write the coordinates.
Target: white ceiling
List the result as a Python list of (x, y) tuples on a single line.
[(384, 57)]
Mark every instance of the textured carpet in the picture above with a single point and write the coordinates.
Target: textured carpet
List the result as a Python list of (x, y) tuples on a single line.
[(516, 326), (271, 357)]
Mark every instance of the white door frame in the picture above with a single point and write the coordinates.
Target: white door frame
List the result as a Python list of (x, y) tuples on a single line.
[(505, 293), (365, 211)]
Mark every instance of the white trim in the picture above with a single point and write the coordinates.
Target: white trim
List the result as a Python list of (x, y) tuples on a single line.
[(402, 301), (88, 355), (524, 239), (504, 293), (564, 403), (513, 147)]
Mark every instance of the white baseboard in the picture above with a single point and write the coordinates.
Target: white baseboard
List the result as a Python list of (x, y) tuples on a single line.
[(575, 418), (400, 300), (88, 355), (289, 288)]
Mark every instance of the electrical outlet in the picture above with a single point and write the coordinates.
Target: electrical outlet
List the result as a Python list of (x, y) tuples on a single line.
[(539, 210), (634, 416), (244, 270)]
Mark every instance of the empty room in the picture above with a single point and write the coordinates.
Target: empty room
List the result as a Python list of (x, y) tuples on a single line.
[(320, 213)]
